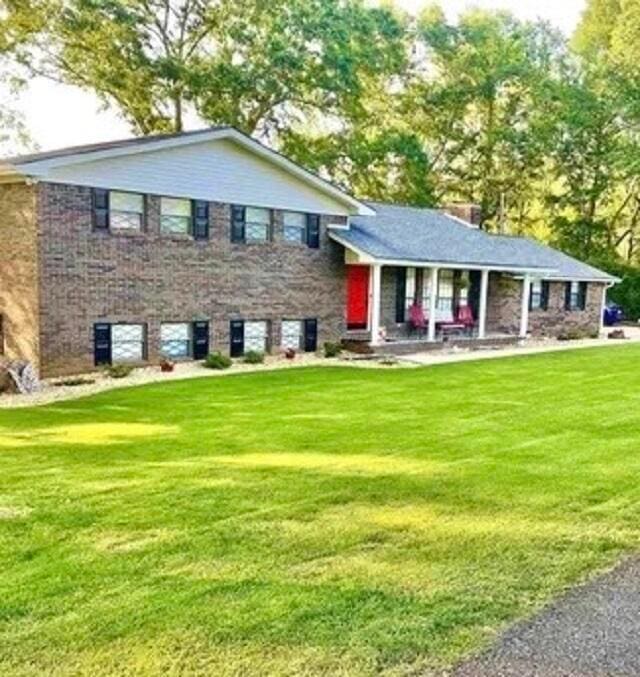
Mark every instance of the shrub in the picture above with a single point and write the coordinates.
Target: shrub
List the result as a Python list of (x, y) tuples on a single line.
[(74, 381), (217, 361), (253, 357), (118, 370), (332, 349), (167, 365)]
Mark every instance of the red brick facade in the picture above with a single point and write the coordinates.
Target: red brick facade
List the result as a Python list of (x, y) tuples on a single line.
[(149, 277)]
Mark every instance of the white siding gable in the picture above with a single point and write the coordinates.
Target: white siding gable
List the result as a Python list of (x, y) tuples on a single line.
[(216, 170)]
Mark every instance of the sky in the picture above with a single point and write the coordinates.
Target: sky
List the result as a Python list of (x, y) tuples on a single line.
[(58, 115)]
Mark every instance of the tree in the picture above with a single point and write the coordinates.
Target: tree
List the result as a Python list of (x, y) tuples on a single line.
[(478, 98), (247, 63)]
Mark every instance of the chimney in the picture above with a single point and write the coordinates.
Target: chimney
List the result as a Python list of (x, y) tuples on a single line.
[(466, 211)]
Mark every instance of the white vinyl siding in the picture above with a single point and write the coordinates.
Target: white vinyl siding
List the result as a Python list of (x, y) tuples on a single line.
[(176, 339), (127, 342), (218, 171), (295, 227), (255, 336), (292, 333), (126, 210), (257, 224), (175, 215)]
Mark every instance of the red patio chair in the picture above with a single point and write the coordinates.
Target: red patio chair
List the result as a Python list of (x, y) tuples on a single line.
[(465, 317), (417, 319)]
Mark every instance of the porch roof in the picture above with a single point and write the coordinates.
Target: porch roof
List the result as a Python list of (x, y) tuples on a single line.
[(428, 236)]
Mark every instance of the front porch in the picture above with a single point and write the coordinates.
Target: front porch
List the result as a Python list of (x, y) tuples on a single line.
[(403, 308)]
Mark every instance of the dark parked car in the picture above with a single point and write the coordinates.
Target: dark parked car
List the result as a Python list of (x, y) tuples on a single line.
[(613, 314)]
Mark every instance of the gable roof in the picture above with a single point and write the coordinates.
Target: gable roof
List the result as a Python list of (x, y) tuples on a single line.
[(409, 234), (38, 164)]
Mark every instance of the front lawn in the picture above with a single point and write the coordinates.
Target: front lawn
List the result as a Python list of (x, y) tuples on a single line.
[(315, 521)]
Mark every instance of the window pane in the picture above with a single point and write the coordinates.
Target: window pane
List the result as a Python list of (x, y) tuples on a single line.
[(292, 334), (296, 219), (171, 206), (256, 215), (175, 339), (126, 202), (255, 336), (256, 231), (127, 342), (125, 220), (175, 224)]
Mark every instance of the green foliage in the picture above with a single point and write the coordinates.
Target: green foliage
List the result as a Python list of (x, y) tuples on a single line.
[(118, 370), (253, 357), (332, 349), (217, 361), (627, 292)]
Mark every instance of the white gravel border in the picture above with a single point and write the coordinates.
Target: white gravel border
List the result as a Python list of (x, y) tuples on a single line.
[(51, 393)]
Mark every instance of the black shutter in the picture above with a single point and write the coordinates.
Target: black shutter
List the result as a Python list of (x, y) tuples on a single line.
[(200, 211), (100, 200), (313, 231), (401, 294), (200, 332), (101, 344), (582, 296), (310, 336), (237, 338), (238, 215), (545, 295), (567, 296)]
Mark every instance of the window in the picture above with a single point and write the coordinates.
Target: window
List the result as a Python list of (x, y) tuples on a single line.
[(576, 295), (175, 216), (417, 288), (126, 210), (539, 297), (255, 336), (295, 227), (128, 342), (445, 290), (292, 334), (175, 339)]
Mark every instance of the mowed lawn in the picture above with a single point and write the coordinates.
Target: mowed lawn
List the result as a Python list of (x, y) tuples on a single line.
[(312, 521)]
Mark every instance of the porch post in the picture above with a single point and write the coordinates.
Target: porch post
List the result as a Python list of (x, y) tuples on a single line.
[(524, 309), (602, 307), (376, 283), (433, 304), (482, 309)]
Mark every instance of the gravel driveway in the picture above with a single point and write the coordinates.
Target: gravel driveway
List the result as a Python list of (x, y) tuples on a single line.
[(593, 631)]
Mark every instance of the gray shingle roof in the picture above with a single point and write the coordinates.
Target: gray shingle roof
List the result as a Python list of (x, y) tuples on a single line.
[(427, 235)]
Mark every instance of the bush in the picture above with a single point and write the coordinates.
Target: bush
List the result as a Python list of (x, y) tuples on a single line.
[(332, 349), (74, 381), (217, 361), (118, 370), (254, 357)]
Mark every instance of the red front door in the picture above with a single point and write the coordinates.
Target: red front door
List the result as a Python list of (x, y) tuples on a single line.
[(357, 297)]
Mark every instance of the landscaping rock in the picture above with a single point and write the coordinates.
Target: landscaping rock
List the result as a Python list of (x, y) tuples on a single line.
[(617, 334)]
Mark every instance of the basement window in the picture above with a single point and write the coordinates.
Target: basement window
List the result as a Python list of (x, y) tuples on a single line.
[(128, 342)]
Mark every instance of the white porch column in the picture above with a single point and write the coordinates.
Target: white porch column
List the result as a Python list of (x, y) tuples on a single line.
[(376, 285), (524, 309), (602, 307), (433, 303), (482, 308)]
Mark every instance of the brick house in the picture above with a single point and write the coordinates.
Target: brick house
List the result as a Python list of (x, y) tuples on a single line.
[(177, 245)]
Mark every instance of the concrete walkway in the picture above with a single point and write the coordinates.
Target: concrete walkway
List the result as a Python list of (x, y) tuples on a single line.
[(593, 631), (529, 347)]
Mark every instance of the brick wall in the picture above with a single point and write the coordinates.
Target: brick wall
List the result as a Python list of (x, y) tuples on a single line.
[(504, 302), (19, 272), (90, 276)]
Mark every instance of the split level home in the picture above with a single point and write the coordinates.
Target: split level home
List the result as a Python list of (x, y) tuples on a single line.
[(178, 245)]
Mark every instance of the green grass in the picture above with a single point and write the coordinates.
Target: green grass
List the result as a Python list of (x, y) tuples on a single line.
[(312, 521)]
